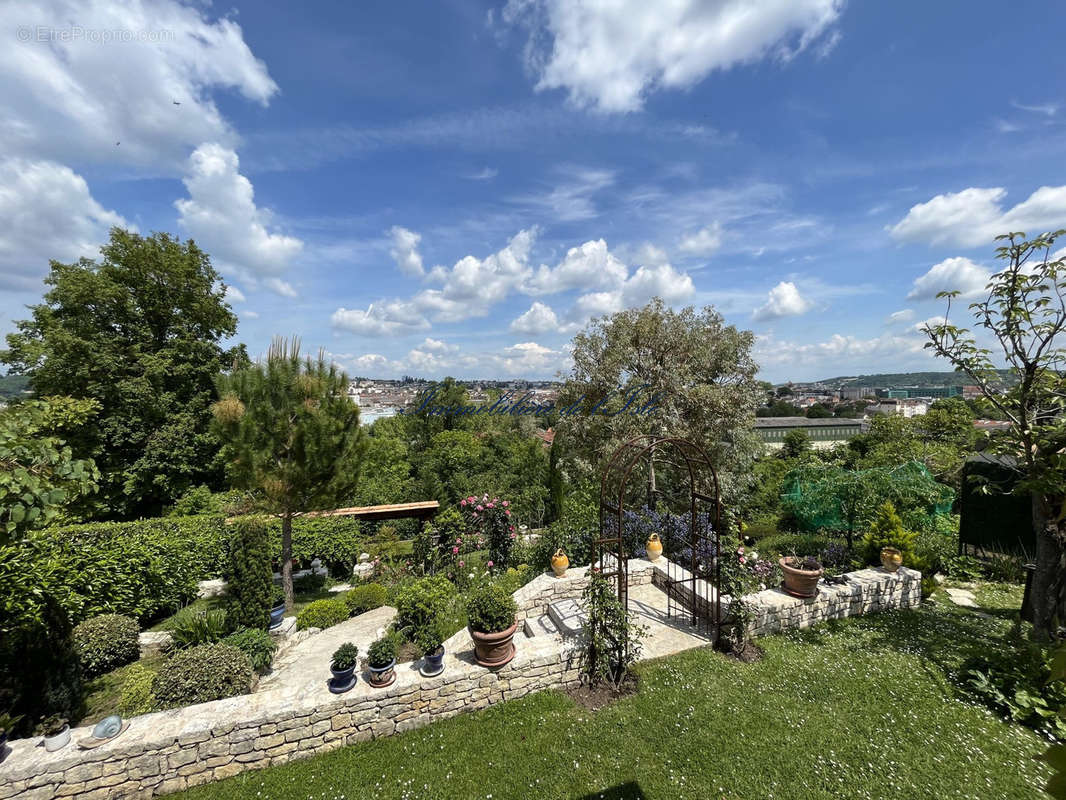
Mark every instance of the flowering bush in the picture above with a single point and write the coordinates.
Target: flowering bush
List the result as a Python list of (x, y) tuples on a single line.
[(489, 522)]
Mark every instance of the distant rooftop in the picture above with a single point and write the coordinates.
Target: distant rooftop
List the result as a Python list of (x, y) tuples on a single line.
[(804, 422)]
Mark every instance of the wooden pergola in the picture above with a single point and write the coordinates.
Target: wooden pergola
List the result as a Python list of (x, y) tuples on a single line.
[(426, 509)]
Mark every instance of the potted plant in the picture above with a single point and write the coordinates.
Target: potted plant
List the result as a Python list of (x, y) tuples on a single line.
[(56, 733), (381, 662), (801, 575), (431, 642), (277, 611), (342, 666), (891, 558), (7, 727), (560, 562), (490, 612)]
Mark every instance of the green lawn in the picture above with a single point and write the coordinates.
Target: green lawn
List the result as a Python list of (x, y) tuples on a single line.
[(862, 708)]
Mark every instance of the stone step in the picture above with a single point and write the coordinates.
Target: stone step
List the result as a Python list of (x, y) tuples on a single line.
[(540, 626), (569, 617)]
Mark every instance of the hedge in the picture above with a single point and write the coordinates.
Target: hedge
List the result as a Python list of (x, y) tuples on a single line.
[(145, 569)]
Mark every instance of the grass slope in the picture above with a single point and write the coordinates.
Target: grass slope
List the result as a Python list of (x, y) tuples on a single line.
[(862, 708)]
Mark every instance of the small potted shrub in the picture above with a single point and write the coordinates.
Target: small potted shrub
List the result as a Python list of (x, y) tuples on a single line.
[(801, 575), (56, 733), (345, 658), (490, 612), (381, 662), (430, 641), (277, 611)]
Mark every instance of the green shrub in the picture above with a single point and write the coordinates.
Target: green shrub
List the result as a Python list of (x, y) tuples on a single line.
[(382, 652), (202, 673), (802, 544), (490, 608), (106, 642), (249, 576), (420, 606), (322, 613), (365, 597), (257, 644), (190, 627), (887, 531), (345, 657), (136, 697)]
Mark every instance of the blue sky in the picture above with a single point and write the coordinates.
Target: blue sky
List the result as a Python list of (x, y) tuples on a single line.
[(456, 187)]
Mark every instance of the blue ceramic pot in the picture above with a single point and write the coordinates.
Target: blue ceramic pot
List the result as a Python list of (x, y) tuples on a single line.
[(343, 679), (276, 614), (434, 662)]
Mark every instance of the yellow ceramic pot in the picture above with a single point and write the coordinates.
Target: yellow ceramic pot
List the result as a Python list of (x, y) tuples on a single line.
[(891, 558), (559, 563), (655, 547)]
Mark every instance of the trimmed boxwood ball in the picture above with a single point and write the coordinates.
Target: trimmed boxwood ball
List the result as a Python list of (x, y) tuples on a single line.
[(106, 642), (322, 613), (201, 674), (365, 598), (490, 609)]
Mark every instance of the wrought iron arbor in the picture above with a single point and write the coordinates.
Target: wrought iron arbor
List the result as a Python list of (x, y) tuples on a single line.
[(694, 570)]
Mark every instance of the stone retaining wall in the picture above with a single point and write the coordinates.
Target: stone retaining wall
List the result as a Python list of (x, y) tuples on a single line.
[(533, 598), (172, 750), (866, 590)]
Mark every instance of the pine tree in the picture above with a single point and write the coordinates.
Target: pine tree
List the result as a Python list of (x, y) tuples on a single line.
[(291, 433)]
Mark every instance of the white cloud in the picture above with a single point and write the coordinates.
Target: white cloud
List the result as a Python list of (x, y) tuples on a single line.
[(572, 199), (284, 288), (974, 217), (46, 212), (903, 315), (472, 286), (611, 55), (249, 314), (661, 280), (841, 354), (589, 266), (703, 242), (784, 300), (234, 295), (74, 97), (539, 319), (371, 365), (221, 214), (390, 318), (951, 275), (919, 327), (529, 358), (1046, 109), (404, 250)]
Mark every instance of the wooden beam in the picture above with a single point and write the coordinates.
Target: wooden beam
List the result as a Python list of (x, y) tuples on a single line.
[(421, 511)]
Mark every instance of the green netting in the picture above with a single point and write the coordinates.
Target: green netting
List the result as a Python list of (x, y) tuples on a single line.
[(835, 498)]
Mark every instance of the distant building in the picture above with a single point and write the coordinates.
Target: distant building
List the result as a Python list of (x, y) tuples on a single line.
[(856, 392), (823, 433), (903, 407)]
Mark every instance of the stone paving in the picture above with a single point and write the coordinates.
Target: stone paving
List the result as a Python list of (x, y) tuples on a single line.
[(300, 668)]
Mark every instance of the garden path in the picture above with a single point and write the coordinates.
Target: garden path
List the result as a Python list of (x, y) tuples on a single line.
[(306, 664)]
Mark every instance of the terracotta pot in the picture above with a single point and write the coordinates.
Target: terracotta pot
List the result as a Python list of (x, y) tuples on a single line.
[(891, 558), (655, 547), (800, 582), (560, 563), (494, 649)]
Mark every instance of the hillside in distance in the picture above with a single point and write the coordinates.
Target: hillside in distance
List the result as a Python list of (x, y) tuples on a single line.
[(906, 379)]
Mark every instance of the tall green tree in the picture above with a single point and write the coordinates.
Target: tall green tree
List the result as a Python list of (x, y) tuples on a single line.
[(1024, 316), (290, 433), (695, 370), (140, 332), (39, 473)]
